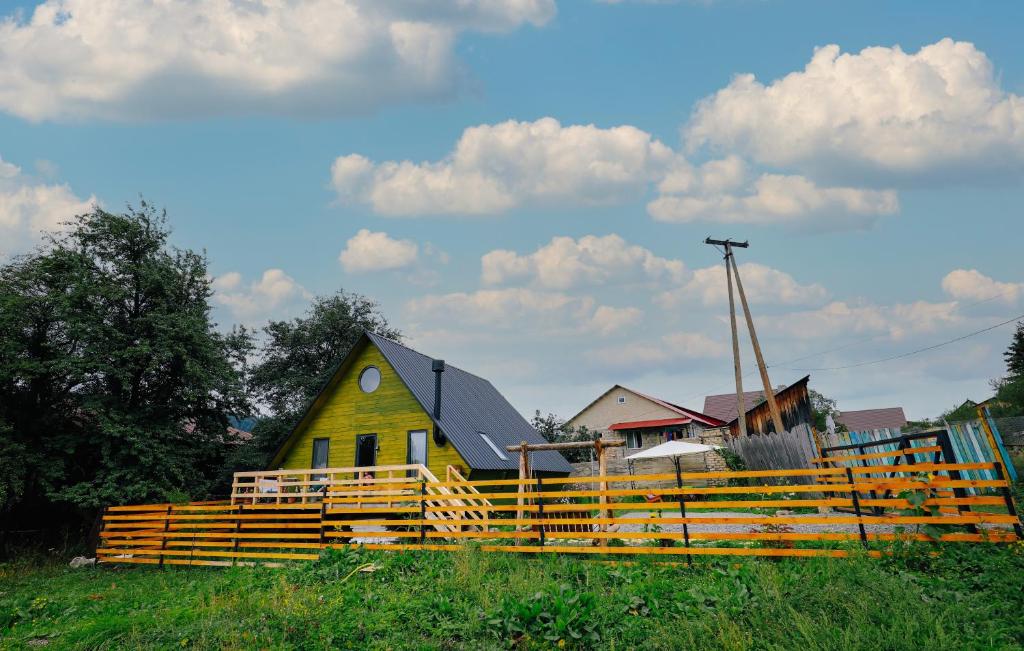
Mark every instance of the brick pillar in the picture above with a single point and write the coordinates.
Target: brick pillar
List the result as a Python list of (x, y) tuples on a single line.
[(713, 460)]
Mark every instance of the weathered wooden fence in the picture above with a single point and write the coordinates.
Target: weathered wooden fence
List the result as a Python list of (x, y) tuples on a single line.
[(920, 502), (793, 449)]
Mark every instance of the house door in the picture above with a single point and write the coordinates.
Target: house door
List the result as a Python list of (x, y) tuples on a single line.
[(366, 450)]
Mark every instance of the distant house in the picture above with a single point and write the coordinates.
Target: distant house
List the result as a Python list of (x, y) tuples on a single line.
[(380, 408), (793, 400), (643, 421), (865, 420)]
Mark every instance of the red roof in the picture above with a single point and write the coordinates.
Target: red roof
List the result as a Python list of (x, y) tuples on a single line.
[(640, 424), (706, 419)]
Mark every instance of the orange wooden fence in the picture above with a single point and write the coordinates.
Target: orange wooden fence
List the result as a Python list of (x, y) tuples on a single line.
[(567, 515)]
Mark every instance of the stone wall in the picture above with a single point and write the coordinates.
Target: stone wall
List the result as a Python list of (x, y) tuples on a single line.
[(693, 463)]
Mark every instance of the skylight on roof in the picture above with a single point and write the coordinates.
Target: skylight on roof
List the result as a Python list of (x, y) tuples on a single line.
[(497, 451)]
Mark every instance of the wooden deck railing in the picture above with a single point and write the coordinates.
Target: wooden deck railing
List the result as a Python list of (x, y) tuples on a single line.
[(407, 513)]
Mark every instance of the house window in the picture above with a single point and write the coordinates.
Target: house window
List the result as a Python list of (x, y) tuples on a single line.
[(369, 379), (622, 400), (320, 455), (634, 439), (417, 450), (495, 448)]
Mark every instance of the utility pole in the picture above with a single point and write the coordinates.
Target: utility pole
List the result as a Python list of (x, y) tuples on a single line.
[(740, 406), (769, 391)]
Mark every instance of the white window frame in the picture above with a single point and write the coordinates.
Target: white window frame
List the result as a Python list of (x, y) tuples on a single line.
[(495, 448), (639, 439), (621, 400)]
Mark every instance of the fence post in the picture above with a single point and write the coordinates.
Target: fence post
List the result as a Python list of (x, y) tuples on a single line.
[(540, 509), (856, 508), (163, 541), (423, 511), (1010, 507), (238, 528), (682, 511), (323, 512)]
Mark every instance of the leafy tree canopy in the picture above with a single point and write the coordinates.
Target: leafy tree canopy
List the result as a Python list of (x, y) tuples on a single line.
[(556, 430), (115, 385), (821, 407)]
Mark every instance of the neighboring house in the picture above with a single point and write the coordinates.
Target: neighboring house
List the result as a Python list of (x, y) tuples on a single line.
[(642, 421), (865, 420), (794, 406), (379, 408)]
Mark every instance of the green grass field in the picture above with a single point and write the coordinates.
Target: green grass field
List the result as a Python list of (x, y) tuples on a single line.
[(968, 598)]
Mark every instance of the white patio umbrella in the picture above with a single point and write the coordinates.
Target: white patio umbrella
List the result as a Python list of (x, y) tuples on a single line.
[(673, 450)]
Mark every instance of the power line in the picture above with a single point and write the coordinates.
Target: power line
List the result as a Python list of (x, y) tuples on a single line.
[(913, 352)]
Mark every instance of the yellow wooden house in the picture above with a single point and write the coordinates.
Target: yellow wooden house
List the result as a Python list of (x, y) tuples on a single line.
[(387, 404)]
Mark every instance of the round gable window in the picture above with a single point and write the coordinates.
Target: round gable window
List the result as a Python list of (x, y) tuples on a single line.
[(369, 379)]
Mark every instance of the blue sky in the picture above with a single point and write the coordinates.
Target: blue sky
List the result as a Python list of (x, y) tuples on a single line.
[(878, 181)]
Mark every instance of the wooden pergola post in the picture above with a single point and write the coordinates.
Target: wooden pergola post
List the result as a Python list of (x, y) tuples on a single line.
[(524, 475), (524, 449)]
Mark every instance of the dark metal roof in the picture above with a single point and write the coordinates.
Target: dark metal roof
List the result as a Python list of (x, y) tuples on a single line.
[(470, 405)]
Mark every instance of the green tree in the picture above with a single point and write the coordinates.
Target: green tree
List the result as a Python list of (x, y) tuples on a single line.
[(556, 430), (115, 385), (821, 407), (1014, 355), (296, 359)]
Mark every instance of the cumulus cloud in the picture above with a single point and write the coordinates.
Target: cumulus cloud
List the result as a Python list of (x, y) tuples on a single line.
[(591, 260), (896, 322), (260, 299), (29, 209), (122, 59), (368, 251), (881, 112), (667, 351), (777, 199), (523, 310), (494, 168), (972, 285), (761, 284)]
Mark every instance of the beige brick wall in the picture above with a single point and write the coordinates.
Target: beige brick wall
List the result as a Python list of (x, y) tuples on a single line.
[(607, 411)]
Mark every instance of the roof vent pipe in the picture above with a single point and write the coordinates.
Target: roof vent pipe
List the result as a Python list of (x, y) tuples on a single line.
[(437, 366)]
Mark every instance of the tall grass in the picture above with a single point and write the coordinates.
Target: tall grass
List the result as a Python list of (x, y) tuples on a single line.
[(969, 597)]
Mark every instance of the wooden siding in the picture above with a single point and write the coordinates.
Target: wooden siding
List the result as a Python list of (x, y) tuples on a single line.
[(390, 412), (794, 405)]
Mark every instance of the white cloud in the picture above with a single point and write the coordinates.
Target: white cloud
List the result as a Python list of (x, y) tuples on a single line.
[(523, 310), (896, 322), (122, 59), (761, 284), (494, 168), (369, 251), (881, 112), (673, 350), (774, 199), (972, 285), (608, 320), (591, 260), (29, 209), (261, 299)]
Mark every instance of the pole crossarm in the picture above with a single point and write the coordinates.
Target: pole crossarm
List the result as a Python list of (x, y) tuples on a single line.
[(727, 243)]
